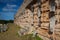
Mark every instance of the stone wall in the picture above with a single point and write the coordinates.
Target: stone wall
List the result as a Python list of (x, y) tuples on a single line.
[(44, 18), (26, 20), (57, 25)]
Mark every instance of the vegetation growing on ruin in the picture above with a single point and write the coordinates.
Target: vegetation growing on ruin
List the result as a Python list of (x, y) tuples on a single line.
[(12, 34)]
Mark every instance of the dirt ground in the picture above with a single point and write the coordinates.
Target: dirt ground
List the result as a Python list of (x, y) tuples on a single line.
[(11, 34)]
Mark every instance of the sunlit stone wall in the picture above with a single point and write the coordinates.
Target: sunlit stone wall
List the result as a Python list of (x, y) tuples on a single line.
[(44, 18)]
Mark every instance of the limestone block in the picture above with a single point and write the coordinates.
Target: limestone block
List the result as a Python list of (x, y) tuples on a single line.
[(58, 11), (43, 33), (57, 26), (44, 9), (35, 18), (43, 1), (35, 5), (57, 2), (57, 18), (36, 9), (45, 19), (45, 14), (45, 4), (57, 38), (45, 24)]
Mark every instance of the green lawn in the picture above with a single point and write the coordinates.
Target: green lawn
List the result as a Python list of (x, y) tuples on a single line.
[(12, 34)]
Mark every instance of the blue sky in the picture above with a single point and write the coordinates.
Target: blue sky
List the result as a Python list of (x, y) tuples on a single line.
[(8, 8)]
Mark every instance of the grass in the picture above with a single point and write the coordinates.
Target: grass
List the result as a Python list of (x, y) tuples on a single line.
[(29, 37), (12, 34)]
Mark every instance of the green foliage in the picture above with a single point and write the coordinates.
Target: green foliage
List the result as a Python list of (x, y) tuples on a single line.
[(6, 21), (29, 37), (17, 34), (38, 38)]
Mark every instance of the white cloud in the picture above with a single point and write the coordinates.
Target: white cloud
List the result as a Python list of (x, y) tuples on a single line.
[(10, 5), (5, 9)]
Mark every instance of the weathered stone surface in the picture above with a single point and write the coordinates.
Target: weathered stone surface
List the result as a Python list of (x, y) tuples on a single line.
[(39, 18)]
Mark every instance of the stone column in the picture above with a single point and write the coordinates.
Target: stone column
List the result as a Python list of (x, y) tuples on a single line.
[(45, 14), (35, 19), (52, 19), (57, 25), (35, 15), (44, 20)]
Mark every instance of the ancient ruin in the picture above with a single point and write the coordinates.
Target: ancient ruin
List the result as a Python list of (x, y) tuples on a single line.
[(43, 16)]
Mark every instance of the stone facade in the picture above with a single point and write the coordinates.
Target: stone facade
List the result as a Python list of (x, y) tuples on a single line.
[(42, 16)]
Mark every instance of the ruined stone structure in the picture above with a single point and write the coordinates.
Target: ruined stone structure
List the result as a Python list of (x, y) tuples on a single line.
[(42, 16)]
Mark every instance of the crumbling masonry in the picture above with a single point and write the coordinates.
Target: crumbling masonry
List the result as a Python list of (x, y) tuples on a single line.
[(42, 16)]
